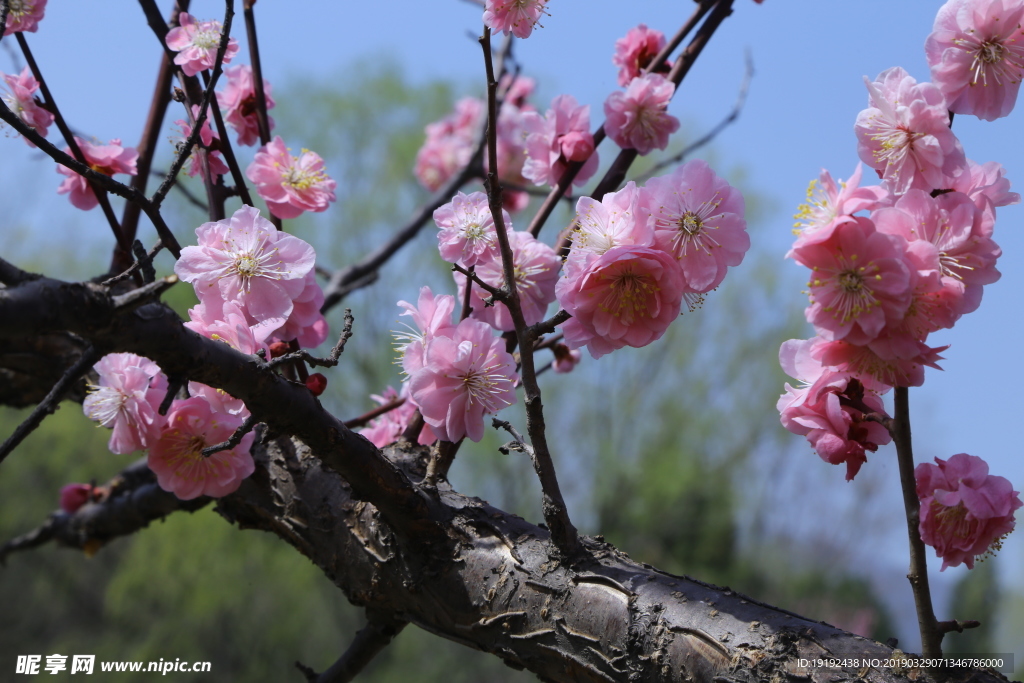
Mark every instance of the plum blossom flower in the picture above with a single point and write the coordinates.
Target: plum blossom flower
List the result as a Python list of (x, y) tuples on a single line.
[(626, 297), (860, 281), (638, 118), (965, 511), (698, 218), (238, 102), (904, 134), (390, 426), (74, 496), (561, 136), (176, 455), (535, 265), (24, 15), (517, 17), (635, 50), (290, 185), (244, 259), (225, 321), (976, 54), (892, 369), (986, 183), (602, 225), (206, 139), (21, 99), (467, 233), (432, 316), (107, 159), (829, 204), (130, 391), (464, 376), (449, 144), (306, 324), (196, 43)]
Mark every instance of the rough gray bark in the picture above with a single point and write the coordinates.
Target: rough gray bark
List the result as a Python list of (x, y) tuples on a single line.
[(450, 564)]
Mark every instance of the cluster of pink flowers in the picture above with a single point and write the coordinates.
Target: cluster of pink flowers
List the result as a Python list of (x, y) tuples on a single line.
[(290, 185), (965, 511), (107, 159), (21, 99), (892, 263), (517, 17), (196, 43), (238, 101), (206, 138), (24, 15), (635, 50)]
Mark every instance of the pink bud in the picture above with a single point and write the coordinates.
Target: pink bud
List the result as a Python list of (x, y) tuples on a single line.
[(577, 145), (278, 349), (316, 383), (74, 496)]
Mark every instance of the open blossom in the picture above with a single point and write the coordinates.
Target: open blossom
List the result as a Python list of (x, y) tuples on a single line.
[(626, 297), (602, 225), (449, 144), (561, 136), (246, 260), (829, 204), (877, 362), (176, 455), (24, 15), (206, 138), (130, 391), (535, 266), (467, 235), (976, 54), (108, 159), (965, 511), (464, 376), (238, 102), (986, 183), (638, 118), (306, 324), (21, 99), (517, 17), (904, 134), (432, 316), (196, 43), (698, 218), (635, 50), (290, 185)]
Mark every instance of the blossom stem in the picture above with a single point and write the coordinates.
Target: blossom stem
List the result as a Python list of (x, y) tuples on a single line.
[(257, 71), (229, 157), (931, 634), (51, 105), (563, 533)]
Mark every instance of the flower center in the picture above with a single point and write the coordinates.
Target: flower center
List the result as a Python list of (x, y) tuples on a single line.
[(108, 406), (16, 7), (1004, 62), (628, 296), (991, 52), (303, 179), (246, 265), (851, 281), (952, 521), (692, 228), (691, 223), (206, 40), (483, 387)]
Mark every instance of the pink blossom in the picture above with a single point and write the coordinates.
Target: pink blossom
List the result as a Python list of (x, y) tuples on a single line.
[(698, 219), (206, 139), (108, 159), (602, 225), (450, 143), (986, 183), (21, 99), (24, 15), (626, 297), (290, 185), (517, 17), (535, 265), (464, 377), (225, 321), (74, 496), (638, 118), (634, 52), (196, 43), (306, 324), (860, 281), (561, 136), (390, 426), (965, 511), (238, 102), (176, 456), (467, 234), (246, 260), (829, 205), (895, 370), (130, 391), (432, 316), (976, 54), (566, 359), (904, 134)]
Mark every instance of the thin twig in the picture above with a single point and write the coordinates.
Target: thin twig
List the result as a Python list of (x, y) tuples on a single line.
[(49, 404), (366, 418), (234, 439), (441, 461), (189, 197), (174, 386), (229, 156), (303, 355), (379, 631), (262, 120), (498, 294), (563, 533), (548, 326), (144, 262), (144, 294)]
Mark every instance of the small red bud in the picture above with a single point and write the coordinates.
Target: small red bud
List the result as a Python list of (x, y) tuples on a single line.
[(74, 496), (316, 383), (278, 349)]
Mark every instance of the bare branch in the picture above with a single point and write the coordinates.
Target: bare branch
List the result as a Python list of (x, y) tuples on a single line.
[(143, 261), (235, 438), (378, 633), (332, 359)]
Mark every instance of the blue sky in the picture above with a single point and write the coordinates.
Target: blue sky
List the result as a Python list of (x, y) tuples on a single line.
[(809, 57)]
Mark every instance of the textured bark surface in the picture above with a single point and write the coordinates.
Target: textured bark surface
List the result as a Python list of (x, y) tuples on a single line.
[(450, 564)]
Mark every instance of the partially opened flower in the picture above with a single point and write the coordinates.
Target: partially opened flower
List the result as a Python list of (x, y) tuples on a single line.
[(24, 15), (976, 53), (517, 17), (206, 139), (635, 50), (126, 400), (290, 185), (176, 455), (107, 159), (238, 102), (965, 511), (638, 118), (560, 136), (21, 99), (986, 183), (432, 316), (196, 43)]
